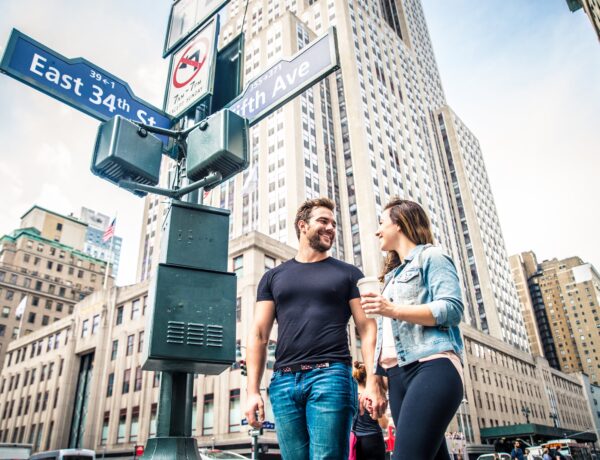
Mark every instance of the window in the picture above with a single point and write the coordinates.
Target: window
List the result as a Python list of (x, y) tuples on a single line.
[(238, 309), (140, 341), (5, 312), (130, 344), (121, 430), (208, 416), (126, 379), (238, 266), (135, 309), (234, 411), (31, 318), (119, 315), (110, 385), (269, 263), (135, 424), (194, 415), (45, 320), (95, 323), (115, 349), (85, 328), (104, 435), (138, 379), (153, 412)]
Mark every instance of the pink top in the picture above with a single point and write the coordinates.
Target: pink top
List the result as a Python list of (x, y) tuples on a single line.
[(388, 357)]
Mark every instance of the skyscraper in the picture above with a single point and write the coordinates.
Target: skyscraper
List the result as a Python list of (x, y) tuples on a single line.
[(377, 128), (109, 251), (565, 299), (43, 273)]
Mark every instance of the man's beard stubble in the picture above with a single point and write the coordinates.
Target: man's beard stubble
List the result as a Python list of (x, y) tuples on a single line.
[(314, 241)]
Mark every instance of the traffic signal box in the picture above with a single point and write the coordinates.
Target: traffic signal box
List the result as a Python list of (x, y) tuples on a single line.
[(191, 324)]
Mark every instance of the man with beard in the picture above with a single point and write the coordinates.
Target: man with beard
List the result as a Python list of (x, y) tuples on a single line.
[(312, 392)]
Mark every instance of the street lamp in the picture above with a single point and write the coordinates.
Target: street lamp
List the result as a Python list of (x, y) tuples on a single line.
[(526, 411)]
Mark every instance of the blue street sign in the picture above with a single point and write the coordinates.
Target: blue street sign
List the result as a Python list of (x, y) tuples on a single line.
[(76, 82), (266, 424), (288, 78)]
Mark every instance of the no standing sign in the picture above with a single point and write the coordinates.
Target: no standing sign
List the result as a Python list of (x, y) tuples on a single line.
[(192, 70)]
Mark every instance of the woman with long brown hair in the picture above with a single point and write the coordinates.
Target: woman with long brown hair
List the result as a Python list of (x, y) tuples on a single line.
[(419, 346)]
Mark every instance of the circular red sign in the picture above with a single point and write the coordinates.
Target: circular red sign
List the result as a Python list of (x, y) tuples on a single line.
[(189, 59)]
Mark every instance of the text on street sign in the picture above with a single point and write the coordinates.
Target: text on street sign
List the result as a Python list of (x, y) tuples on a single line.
[(76, 82), (288, 78)]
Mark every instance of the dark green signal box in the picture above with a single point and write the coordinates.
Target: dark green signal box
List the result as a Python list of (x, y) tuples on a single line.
[(191, 325), (196, 236)]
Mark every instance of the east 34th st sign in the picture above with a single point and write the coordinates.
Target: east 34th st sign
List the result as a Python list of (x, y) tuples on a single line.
[(76, 82)]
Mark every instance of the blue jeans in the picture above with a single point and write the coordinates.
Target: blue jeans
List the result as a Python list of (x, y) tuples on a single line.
[(314, 411)]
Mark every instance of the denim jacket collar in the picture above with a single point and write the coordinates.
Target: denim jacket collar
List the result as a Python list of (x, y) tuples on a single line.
[(414, 252)]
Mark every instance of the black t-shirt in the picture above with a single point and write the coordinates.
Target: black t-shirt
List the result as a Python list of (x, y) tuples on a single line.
[(364, 425), (312, 309)]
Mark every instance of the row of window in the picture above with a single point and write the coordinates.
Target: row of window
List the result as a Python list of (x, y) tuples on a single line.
[(29, 376), (40, 405), (35, 348), (34, 438), (207, 425)]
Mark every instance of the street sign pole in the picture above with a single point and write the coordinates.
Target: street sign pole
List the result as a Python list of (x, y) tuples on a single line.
[(191, 322)]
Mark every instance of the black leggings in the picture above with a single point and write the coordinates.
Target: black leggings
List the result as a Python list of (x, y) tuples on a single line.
[(371, 447), (424, 396)]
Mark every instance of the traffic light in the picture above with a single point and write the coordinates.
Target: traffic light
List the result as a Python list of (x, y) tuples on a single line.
[(124, 151), (243, 367), (139, 451), (219, 145)]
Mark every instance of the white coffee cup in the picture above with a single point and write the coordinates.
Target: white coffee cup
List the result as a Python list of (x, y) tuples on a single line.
[(369, 284)]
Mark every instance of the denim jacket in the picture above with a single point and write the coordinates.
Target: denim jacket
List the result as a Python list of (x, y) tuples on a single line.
[(427, 276)]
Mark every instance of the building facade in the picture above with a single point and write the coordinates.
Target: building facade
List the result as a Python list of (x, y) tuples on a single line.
[(591, 8), (78, 381), (109, 251), (564, 296), (43, 273), (379, 127)]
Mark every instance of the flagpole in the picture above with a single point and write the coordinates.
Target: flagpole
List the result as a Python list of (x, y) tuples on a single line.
[(110, 252), (23, 300)]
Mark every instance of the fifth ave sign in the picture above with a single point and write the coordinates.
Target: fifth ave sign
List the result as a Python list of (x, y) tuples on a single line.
[(288, 78)]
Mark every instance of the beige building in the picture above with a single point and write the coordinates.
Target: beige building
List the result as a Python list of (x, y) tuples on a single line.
[(43, 273), (564, 296), (377, 128), (79, 382), (591, 8)]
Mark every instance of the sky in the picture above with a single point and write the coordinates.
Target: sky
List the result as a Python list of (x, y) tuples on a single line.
[(525, 78), (523, 75)]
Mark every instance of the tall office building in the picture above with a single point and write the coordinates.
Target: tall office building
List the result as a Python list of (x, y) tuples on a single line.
[(565, 297), (377, 128), (591, 8), (479, 232), (109, 251), (43, 273)]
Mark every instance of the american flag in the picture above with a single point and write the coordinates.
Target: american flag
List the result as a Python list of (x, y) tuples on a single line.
[(110, 231)]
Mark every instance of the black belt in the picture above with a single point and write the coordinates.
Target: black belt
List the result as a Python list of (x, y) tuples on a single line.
[(302, 367)]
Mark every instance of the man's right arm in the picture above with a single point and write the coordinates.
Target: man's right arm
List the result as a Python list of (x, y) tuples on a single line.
[(256, 356)]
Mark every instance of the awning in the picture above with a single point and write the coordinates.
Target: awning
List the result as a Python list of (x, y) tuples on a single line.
[(535, 431)]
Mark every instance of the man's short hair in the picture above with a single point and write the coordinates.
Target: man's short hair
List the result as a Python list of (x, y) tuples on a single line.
[(305, 210)]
